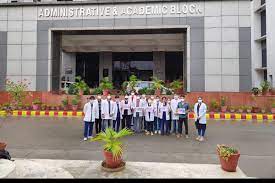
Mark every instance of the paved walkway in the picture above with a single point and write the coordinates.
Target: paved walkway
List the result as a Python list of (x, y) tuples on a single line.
[(44, 168), (61, 138)]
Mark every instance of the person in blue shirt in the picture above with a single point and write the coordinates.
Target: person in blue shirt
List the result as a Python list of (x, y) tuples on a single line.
[(182, 110)]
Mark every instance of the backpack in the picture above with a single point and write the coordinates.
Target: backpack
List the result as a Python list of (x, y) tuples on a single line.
[(5, 155)]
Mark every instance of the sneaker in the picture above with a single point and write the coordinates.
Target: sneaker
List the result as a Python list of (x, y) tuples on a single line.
[(152, 133), (90, 137), (85, 138), (198, 138), (178, 136), (147, 133), (201, 139), (159, 132), (186, 136)]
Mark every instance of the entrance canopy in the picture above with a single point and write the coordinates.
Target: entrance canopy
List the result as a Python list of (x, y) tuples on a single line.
[(123, 42)]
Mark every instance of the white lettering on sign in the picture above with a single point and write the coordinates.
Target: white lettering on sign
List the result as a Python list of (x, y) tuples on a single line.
[(172, 9)]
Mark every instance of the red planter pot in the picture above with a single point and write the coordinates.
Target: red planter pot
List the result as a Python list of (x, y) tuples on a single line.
[(231, 164), (105, 92), (35, 107), (223, 109), (110, 161), (157, 92), (74, 107), (3, 146), (273, 110)]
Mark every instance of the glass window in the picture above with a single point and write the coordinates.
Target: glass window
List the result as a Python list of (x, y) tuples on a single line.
[(173, 66), (264, 64), (263, 23)]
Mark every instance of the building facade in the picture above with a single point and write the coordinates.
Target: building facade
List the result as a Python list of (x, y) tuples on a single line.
[(207, 43)]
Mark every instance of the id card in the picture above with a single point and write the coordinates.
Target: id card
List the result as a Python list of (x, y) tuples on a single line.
[(181, 110)]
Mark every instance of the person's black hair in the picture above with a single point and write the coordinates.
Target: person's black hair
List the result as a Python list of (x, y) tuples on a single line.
[(92, 98), (116, 96)]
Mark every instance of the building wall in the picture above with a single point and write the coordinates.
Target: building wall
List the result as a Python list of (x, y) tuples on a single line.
[(219, 45)]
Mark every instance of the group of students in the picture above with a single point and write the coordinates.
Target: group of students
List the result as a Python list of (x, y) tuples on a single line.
[(151, 115)]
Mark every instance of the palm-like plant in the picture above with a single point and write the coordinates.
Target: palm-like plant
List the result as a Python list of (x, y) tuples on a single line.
[(112, 140), (158, 84)]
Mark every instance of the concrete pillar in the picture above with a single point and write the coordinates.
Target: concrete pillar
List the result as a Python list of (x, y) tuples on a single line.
[(68, 62), (105, 62), (159, 65)]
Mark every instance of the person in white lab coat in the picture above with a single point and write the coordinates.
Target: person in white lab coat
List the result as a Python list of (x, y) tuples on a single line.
[(89, 111), (126, 113), (164, 116), (157, 122), (149, 117), (138, 108), (117, 114), (200, 109), (174, 115), (98, 119), (107, 112), (143, 123)]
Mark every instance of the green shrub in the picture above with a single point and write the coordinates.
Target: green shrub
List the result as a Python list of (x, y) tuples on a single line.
[(105, 84), (97, 91), (37, 102), (75, 100)]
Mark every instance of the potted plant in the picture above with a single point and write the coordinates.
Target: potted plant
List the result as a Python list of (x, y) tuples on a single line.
[(113, 147), (232, 109), (52, 107), (97, 91), (27, 106), (273, 107), (248, 109), (58, 107), (223, 106), (106, 85), (177, 86), (214, 106), (81, 85), (240, 109), (158, 84), (255, 91), (65, 104), (43, 107), (265, 86), (229, 157), (263, 110), (36, 104), (19, 106), (75, 102)]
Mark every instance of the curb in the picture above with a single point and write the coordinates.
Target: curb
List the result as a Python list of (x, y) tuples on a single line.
[(222, 116)]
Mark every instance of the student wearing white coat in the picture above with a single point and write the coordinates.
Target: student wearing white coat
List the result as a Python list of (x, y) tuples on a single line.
[(117, 114), (89, 111), (157, 122), (144, 103), (164, 116), (149, 117), (126, 113), (174, 115), (98, 119), (200, 109), (107, 112), (138, 107)]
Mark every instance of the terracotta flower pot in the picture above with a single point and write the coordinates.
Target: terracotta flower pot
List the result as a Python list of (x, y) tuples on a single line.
[(105, 92), (74, 107), (231, 164), (110, 161), (273, 110), (65, 108), (157, 92), (81, 92), (35, 107), (3, 146), (223, 109), (248, 110)]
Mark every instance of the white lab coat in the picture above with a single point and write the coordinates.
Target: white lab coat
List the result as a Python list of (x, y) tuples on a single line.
[(97, 108), (139, 109), (116, 110), (105, 109), (149, 109), (166, 109), (89, 112), (132, 99), (156, 108), (174, 106), (127, 107), (202, 113)]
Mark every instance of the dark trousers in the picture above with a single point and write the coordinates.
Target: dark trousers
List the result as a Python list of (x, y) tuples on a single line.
[(126, 121), (145, 124), (180, 123), (149, 125), (98, 125), (156, 124), (201, 129), (164, 125), (116, 124), (88, 129)]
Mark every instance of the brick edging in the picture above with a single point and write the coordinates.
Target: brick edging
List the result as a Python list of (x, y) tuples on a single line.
[(222, 116)]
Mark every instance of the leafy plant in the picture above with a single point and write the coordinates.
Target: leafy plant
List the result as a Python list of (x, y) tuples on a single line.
[(158, 84), (223, 101), (105, 84), (225, 151), (176, 84), (77, 86), (214, 105), (273, 105), (143, 91), (17, 90), (255, 91), (37, 102), (97, 91), (112, 141), (65, 102), (75, 100), (133, 81), (265, 86)]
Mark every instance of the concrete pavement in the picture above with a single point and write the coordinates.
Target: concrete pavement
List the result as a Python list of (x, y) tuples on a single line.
[(61, 138)]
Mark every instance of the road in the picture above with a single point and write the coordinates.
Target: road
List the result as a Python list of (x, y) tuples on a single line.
[(61, 138)]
